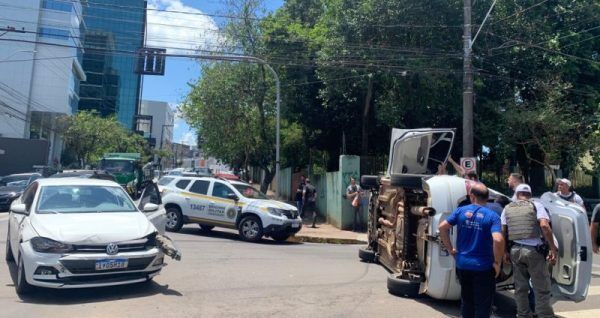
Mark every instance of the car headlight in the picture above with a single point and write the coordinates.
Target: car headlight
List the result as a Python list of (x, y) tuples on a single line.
[(46, 245), (275, 212)]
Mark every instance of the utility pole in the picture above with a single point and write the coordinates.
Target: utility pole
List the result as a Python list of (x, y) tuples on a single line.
[(467, 83), (468, 76)]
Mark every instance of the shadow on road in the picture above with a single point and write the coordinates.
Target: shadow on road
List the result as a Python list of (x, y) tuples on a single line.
[(230, 235), (91, 295)]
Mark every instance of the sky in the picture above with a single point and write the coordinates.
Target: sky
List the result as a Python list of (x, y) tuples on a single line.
[(183, 30)]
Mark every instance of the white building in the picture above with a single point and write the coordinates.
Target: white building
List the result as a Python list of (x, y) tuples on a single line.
[(40, 68), (161, 125)]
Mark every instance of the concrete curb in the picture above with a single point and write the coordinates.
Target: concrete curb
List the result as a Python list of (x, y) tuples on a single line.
[(325, 240)]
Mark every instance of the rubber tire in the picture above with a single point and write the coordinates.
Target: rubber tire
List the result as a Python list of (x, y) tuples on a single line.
[(206, 228), (258, 236), (22, 287), (178, 224), (367, 255), (411, 181), (369, 182), (280, 237), (402, 287), (9, 257)]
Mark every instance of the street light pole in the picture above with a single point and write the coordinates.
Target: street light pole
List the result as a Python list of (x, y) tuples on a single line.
[(244, 58)]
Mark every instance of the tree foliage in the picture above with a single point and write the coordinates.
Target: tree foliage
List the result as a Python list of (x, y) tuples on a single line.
[(89, 136)]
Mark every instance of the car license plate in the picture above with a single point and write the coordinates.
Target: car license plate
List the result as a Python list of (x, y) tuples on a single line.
[(295, 225), (107, 264)]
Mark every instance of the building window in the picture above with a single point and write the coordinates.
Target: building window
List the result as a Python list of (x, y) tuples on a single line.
[(53, 33), (57, 5)]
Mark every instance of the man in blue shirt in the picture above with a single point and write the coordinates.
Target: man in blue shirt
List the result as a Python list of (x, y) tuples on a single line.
[(479, 251)]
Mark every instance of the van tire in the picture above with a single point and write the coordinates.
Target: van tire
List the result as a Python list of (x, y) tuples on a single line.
[(402, 287), (411, 181), (367, 255)]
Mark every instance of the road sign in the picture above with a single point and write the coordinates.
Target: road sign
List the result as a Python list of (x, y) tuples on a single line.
[(468, 163)]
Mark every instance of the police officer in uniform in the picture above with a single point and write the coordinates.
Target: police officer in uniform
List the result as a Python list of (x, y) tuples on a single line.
[(525, 222)]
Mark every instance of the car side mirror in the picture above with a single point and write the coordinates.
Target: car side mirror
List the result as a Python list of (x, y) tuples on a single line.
[(150, 207), (233, 197), (19, 209)]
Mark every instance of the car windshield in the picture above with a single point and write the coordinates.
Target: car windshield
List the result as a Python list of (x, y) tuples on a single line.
[(83, 199), (14, 181), (249, 192), (117, 166)]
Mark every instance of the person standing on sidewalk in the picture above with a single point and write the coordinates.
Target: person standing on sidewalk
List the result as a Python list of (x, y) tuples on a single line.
[(478, 253), (309, 194), (354, 195), (299, 191), (524, 222)]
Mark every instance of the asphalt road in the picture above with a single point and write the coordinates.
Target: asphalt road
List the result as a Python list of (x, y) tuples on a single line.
[(221, 276)]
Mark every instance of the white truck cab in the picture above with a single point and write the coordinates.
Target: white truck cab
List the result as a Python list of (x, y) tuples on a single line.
[(212, 202), (410, 201)]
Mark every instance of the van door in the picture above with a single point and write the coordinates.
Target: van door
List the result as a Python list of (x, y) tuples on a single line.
[(572, 273), (419, 151)]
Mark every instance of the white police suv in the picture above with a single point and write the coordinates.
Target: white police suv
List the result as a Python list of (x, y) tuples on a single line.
[(212, 202)]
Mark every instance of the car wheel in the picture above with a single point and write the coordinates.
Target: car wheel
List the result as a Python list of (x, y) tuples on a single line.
[(206, 228), (367, 255), (402, 287), (280, 237), (9, 257), (22, 286), (251, 229), (174, 219)]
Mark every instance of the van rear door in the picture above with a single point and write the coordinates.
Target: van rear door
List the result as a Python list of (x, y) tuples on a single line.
[(573, 270)]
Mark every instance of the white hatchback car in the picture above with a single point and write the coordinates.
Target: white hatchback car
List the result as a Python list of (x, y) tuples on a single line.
[(214, 202), (73, 233)]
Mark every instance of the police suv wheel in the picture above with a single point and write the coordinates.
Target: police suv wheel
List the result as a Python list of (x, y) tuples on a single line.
[(251, 229), (174, 219)]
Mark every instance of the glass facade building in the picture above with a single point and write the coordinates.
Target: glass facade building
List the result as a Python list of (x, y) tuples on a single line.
[(115, 33)]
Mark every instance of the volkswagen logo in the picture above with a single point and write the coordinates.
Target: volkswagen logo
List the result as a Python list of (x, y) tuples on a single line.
[(112, 249)]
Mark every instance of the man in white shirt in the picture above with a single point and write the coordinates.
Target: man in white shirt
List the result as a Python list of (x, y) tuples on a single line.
[(565, 193)]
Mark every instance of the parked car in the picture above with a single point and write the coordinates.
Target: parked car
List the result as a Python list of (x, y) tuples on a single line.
[(75, 232), (212, 202), (410, 201), (12, 186)]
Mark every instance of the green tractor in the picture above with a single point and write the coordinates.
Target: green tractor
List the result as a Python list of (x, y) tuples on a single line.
[(128, 171)]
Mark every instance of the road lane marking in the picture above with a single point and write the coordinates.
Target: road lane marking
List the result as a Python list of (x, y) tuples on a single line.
[(587, 313)]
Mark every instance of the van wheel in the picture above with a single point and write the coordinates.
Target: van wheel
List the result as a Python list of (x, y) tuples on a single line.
[(367, 255), (9, 257), (402, 287), (251, 229), (22, 286), (206, 228), (406, 181), (174, 219), (280, 237)]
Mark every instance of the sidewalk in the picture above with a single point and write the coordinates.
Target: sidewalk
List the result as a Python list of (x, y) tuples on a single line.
[(327, 233)]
